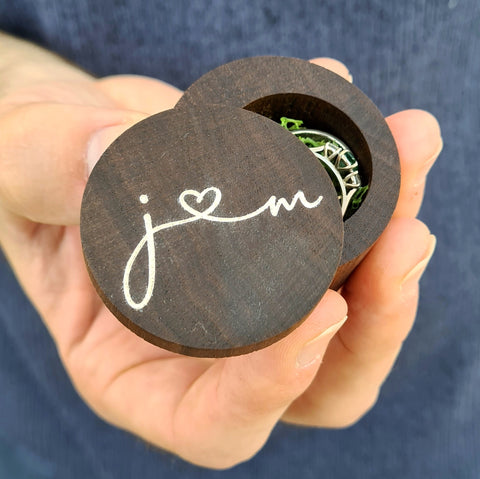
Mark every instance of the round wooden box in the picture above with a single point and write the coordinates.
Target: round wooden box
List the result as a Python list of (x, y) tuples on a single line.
[(210, 230)]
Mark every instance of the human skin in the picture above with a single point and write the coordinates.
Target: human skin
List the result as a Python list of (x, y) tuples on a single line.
[(55, 121)]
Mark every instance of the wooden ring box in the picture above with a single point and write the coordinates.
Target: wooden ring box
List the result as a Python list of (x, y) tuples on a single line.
[(211, 231)]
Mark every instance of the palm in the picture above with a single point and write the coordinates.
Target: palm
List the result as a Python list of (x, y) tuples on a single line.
[(216, 412), (109, 364)]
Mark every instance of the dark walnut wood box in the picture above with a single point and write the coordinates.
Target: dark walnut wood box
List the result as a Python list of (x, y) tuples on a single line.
[(211, 231)]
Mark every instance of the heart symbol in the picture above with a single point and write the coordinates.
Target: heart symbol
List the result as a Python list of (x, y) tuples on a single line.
[(199, 197)]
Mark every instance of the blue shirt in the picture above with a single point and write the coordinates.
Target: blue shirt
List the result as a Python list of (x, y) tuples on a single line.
[(418, 54)]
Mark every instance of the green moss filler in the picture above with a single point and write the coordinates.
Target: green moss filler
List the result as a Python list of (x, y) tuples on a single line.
[(291, 124)]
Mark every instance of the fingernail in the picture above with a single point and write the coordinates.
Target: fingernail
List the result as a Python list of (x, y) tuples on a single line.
[(414, 275), (333, 65), (100, 141), (312, 350), (425, 168)]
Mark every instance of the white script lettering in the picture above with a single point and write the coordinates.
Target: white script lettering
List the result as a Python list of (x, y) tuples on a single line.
[(273, 204)]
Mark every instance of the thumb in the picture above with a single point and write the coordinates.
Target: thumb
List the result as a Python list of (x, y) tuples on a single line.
[(46, 153)]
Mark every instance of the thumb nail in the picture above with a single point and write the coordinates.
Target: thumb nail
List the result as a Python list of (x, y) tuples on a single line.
[(427, 165), (315, 348), (100, 141), (414, 275)]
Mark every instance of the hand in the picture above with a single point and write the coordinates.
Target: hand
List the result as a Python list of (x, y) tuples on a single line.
[(55, 122)]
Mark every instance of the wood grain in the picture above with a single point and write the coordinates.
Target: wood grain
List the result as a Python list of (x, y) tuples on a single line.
[(279, 86), (221, 288)]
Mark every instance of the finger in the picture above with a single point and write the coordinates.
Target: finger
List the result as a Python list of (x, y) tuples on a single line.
[(44, 155), (140, 93), (222, 415), (419, 142), (333, 65), (382, 297)]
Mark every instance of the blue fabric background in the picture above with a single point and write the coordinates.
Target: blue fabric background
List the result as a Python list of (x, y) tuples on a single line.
[(416, 54)]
